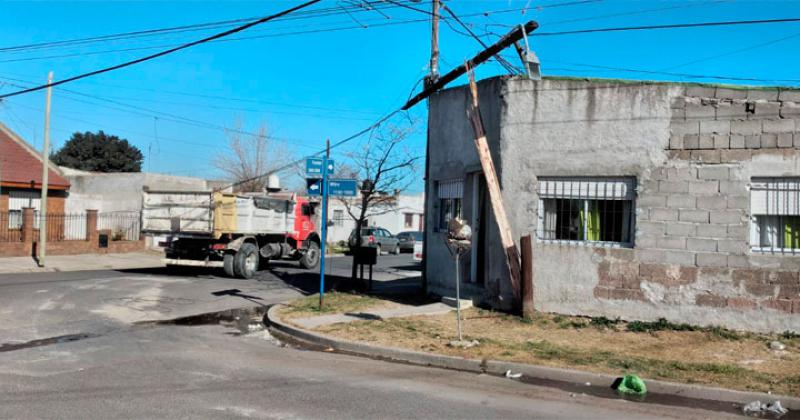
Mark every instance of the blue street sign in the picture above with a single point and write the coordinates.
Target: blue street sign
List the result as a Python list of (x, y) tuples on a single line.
[(314, 167), (314, 186), (343, 187)]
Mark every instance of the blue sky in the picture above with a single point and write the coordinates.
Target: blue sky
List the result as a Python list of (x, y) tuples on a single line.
[(329, 84)]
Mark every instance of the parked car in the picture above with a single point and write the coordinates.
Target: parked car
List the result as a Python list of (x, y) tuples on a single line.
[(408, 239), (376, 237)]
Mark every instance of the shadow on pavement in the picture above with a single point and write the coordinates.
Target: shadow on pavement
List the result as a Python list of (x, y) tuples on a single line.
[(406, 290)]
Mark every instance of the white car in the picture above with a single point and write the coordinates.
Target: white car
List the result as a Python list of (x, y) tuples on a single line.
[(418, 251)]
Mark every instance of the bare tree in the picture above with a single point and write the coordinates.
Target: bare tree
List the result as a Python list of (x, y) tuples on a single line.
[(385, 168), (249, 156)]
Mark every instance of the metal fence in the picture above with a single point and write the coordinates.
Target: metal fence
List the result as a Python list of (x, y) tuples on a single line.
[(10, 227), (65, 227), (124, 226)]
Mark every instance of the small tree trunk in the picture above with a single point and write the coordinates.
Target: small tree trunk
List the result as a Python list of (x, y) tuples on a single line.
[(359, 224)]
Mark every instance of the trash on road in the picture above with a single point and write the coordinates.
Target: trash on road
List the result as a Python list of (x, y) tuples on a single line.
[(758, 409), (777, 345), (464, 344), (510, 375), (632, 385)]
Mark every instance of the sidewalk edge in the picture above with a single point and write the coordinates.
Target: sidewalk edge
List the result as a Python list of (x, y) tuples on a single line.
[(533, 371)]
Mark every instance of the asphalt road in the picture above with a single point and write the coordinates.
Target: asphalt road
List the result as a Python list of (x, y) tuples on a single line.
[(123, 368)]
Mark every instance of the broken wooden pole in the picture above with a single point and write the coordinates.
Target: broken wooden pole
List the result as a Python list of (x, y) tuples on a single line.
[(493, 185), (515, 35), (526, 249)]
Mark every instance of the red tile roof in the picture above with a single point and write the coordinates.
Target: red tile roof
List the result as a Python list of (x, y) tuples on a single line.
[(20, 163)]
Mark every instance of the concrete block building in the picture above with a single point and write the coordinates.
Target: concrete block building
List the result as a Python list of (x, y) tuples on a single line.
[(645, 199)]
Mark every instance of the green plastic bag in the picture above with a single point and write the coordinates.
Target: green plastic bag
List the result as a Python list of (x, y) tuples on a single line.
[(632, 385)]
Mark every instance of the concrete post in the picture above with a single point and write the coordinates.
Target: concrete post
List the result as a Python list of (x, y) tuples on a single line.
[(526, 249), (91, 227)]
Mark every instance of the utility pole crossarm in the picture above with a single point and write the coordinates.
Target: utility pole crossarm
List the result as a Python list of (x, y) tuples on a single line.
[(515, 35)]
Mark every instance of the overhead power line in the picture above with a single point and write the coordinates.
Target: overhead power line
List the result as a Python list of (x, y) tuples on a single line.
[(163, 53), (329, 11), (311, 31), (669, 26), (145, 112), (207, 96), (667, 73)]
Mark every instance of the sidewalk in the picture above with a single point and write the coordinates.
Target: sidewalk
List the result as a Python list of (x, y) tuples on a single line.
[(82, 262)]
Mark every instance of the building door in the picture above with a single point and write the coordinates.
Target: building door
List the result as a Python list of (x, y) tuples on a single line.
[(479, 208)]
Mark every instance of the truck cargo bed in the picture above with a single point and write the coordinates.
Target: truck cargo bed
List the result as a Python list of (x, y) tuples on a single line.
[(215, 214)]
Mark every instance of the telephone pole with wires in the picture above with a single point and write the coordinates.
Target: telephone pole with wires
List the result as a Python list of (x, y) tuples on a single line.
[(430, 79), (41, 247)]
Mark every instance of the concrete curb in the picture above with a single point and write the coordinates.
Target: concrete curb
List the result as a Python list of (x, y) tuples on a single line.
[(494, 367)]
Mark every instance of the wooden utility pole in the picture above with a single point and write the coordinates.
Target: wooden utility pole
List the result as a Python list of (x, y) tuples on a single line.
[(434, 70), (514, 35), (41, 247), (433, 75), (493, 185)]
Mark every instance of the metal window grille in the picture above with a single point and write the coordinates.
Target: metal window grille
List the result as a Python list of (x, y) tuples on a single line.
[(124, 226), (587, 209), (775, 215), (450, 193), (63, 227), (10, 227)]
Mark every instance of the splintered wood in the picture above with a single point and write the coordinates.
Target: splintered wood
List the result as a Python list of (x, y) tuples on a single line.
[(493, 185)]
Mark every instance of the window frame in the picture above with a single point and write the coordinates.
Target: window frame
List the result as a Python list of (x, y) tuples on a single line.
[(631, 180), (453, 201), (408, 220), (754, 241)]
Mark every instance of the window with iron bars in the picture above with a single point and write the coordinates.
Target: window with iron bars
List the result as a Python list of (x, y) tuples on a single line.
[(775, 215), (450, 194), (590, 210)]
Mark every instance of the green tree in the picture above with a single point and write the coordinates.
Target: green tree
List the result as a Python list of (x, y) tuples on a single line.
[(99, 152)]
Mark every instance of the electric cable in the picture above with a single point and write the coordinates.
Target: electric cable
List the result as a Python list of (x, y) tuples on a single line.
[(163, 53)]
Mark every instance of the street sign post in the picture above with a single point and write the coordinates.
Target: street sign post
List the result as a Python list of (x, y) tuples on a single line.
[(314, 187), (314, 167), (326, 166), (343, 187), (318, 184)]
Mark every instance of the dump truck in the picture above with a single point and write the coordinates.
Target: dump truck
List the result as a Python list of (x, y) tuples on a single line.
[(236, 232)]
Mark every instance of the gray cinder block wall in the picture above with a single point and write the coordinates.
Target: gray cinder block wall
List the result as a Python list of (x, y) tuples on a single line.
[(692, 149)]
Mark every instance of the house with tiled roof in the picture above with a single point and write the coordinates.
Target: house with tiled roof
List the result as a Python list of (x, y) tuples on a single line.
[(21, 178)]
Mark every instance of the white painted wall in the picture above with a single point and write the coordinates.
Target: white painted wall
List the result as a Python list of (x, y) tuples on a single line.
[(391, 218)]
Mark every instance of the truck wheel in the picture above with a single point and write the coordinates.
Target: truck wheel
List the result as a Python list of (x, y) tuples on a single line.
[(246, 261), (227, 264), (310, 258)]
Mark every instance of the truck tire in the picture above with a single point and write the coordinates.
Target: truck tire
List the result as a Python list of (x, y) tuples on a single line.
[(227, 264), (245, 263), (310, 258)]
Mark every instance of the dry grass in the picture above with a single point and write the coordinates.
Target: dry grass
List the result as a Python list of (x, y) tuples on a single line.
[(335, 302), (681, 353)]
